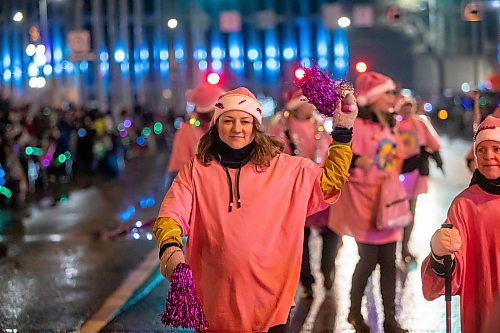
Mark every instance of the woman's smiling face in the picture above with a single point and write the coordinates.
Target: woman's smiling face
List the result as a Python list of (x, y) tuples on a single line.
[(236, 128)]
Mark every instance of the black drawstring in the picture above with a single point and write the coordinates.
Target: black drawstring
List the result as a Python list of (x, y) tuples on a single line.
[(238, 187), (230, 208)]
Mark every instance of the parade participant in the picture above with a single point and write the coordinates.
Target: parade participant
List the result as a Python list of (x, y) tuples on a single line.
[(420, 141), (472, 241), (244, 244), (377, 158), (186, 138), (301, 128), (469, 159)]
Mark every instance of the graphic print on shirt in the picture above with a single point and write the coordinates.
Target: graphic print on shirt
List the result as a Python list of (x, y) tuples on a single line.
[(385, 155), (409, 139)]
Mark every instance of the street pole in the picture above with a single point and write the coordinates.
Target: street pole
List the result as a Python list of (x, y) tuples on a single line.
[(97, 32), (475, 52)]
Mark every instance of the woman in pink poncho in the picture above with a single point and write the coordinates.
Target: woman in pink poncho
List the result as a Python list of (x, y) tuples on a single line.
[(420, 141), (243, 205), (301, 128), (473, 240), (377, 157)]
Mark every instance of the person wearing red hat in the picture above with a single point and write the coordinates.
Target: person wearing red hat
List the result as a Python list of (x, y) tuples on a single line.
[(301, 128), (420, 142), (470, 160), (362, 211), (203, 97), (473, 240), (243, 204)]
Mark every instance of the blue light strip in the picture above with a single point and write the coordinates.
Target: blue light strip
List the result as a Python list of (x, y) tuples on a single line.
[(341, 53), (236, 52)]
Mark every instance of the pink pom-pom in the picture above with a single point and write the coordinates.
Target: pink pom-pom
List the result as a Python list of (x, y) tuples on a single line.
[(320, 89), (183, 307)]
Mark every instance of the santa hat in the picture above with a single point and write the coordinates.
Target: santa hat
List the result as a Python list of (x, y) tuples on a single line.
[(489, 129), (239, 99), (204, 97), (294, 98), (371, 85)]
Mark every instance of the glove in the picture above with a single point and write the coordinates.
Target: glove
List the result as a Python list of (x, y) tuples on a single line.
[(423, 165), (346, 113), (169, 260), (410, 164), (445, 242)]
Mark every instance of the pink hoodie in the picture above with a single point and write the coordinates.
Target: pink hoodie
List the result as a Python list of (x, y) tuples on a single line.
[(304, 134), (246, 262)]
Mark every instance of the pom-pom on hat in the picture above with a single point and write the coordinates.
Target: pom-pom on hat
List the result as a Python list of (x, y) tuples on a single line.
[(239, 99), (294, 98), (371, 85), (489, 129), (204, 97)]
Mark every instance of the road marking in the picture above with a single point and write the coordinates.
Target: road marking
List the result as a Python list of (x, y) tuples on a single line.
[(115, 301)]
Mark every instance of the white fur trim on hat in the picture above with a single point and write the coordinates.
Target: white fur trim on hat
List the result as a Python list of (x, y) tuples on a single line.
[(371, 95), (489, 129), (238, 102)]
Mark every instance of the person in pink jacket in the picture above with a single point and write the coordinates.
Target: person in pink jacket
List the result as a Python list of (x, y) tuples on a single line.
[(301, 128), (377, 157), (243, 204), (186, 138), (420, 142), (473, 239)]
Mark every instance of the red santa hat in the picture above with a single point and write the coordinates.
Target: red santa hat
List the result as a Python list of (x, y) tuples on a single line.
[(239, 99), (371, 85), (204, 97), (294, 98), (489, 129)]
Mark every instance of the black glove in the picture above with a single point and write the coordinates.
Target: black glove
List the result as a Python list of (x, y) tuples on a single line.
[(410, 164), (436, 156), (423, 163)]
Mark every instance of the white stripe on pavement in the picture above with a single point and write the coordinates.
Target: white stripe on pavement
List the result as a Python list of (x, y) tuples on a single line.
[(115, 301)]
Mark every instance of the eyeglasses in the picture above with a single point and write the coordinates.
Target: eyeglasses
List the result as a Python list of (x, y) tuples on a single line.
[(392, 92)]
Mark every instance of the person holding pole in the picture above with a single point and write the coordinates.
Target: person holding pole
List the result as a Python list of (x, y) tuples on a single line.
[(470, 237)]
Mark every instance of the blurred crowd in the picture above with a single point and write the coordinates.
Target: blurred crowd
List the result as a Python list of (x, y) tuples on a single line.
[(44, 150)]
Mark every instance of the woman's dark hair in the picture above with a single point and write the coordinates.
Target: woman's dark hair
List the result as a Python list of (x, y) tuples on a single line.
[(386, 118), (266, 147)]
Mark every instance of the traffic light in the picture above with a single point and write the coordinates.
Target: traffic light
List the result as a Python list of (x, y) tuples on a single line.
[(213, 78), (361, 66)]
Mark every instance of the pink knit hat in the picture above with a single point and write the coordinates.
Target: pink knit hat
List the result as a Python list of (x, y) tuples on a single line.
[(204, 97), (294, 98), (489, 129), (371, 85), (239, 99)]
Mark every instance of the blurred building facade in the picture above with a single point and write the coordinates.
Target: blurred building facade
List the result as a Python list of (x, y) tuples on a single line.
[(129, 52)]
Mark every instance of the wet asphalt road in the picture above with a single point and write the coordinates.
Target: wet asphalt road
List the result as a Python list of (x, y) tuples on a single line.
[(58, 270)]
